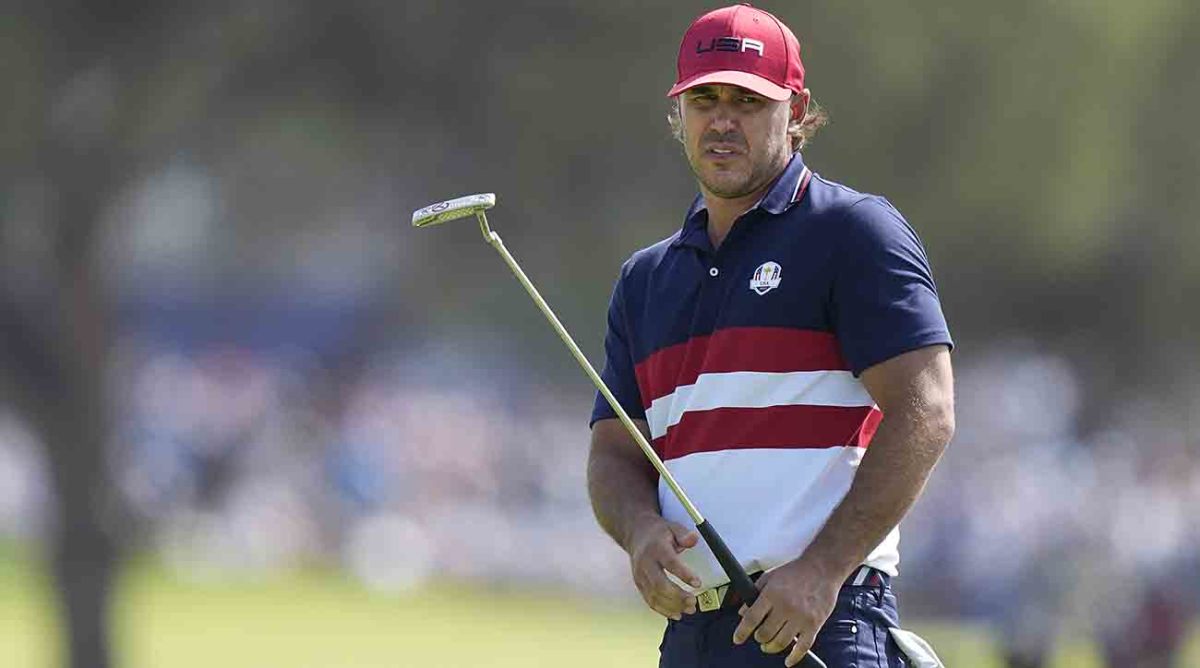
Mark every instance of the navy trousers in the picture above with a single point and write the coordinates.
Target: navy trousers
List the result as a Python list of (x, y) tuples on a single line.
[(855, 636)]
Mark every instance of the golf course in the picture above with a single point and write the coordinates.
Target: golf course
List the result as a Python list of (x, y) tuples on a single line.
[(320, 619)]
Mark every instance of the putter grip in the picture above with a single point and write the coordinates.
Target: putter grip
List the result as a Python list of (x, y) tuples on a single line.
[(740, 581)]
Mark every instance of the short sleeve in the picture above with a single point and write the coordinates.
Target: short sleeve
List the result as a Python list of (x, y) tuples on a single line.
[(618, 372), (883, 301)]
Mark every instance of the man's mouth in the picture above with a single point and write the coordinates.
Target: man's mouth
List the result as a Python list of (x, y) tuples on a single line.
[(721, 151)]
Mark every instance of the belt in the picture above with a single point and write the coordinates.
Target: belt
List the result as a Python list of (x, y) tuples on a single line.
[(722, 597)]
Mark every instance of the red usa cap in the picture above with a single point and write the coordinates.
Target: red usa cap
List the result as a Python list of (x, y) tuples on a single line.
[(742, 46)]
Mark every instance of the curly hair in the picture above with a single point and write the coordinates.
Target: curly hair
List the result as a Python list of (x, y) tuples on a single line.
[(801, 131)]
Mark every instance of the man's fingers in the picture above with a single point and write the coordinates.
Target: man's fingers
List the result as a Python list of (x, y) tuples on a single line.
[(666, 607), (656, 561), (655, 577), (781, 639), (684, 600), (676, 567), (803, 643), (751, 618), (664, 596), (653, 588), (768, 630), (688, 604), (659, 604), (685, 538), (675, 601)]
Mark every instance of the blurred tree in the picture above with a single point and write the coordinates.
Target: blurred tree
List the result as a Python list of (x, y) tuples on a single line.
[(71, 155), (105, 94)]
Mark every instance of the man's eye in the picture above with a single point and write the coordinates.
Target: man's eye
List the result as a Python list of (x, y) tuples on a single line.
[(750, 99)]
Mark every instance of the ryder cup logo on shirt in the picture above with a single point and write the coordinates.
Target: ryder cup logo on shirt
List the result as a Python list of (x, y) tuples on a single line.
[(766, 278)]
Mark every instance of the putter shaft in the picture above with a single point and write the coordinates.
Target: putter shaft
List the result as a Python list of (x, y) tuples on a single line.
[(494, 239)]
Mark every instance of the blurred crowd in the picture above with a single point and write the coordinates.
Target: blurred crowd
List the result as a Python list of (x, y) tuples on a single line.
[(1043, 535), (432, 464), (450, 462)]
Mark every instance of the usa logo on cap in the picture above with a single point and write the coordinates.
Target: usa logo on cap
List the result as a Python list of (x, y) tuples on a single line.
[(740, 46)]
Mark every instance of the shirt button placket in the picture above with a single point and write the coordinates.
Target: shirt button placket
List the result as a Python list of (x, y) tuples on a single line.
[(708, 304)]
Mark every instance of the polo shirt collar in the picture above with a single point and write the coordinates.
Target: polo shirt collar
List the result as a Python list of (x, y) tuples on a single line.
[(781, 195), (783, 192)]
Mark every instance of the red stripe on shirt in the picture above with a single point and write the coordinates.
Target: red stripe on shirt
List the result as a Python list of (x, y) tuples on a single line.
[(784, 427), (766, 349)]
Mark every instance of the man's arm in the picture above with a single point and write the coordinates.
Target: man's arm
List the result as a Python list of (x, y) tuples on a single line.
[(623, 487), (622, 484), (915, 392)]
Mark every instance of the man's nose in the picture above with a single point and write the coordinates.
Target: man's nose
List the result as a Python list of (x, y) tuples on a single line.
[(723, 120)]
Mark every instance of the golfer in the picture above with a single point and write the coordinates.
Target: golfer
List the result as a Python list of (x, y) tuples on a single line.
[(786, 355)]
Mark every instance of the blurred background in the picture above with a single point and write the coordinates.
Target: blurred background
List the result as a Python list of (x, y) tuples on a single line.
[(249, 416)]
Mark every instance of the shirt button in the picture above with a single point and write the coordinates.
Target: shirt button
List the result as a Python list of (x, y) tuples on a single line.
[(713, 272)]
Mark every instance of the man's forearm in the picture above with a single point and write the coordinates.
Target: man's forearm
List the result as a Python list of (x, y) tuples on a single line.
[(891, 476), (621, 487)]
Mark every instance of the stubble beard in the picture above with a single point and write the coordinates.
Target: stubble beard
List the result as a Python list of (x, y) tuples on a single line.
[(761, 172)]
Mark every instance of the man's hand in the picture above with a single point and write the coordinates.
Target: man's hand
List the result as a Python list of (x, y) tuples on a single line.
[(655, 546), (794, 601), (623, 487)]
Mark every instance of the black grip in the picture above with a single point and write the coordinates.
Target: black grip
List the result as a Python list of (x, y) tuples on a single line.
[(740, 581)]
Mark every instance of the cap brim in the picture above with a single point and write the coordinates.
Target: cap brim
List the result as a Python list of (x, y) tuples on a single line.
[(734, 78)]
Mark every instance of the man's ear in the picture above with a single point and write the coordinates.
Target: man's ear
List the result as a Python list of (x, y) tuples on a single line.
[(799, 105)]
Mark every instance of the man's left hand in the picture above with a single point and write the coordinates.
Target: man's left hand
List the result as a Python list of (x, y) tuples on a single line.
[(794, 601)]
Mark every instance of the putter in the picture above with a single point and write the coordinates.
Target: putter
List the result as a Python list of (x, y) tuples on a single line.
[(462, 207)]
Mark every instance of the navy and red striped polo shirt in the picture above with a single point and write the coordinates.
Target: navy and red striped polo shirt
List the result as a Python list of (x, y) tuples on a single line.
[(744, 360)]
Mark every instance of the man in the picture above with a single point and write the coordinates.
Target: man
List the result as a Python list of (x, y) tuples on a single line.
[(788, 325)]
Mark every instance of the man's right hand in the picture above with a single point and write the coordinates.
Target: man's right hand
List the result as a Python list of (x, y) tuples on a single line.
[(655, 545)]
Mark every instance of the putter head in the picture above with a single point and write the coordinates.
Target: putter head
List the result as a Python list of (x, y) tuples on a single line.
[(451, 209)]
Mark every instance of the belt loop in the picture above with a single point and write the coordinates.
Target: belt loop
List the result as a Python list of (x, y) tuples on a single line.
[(881, 587)]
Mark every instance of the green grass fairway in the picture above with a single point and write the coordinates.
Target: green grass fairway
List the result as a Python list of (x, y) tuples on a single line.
[(312, 620)]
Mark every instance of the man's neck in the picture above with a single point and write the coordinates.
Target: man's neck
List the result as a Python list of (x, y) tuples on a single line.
[(724, 212)]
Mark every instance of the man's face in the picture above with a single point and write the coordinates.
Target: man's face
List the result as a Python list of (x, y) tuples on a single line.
[(735, 139)]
